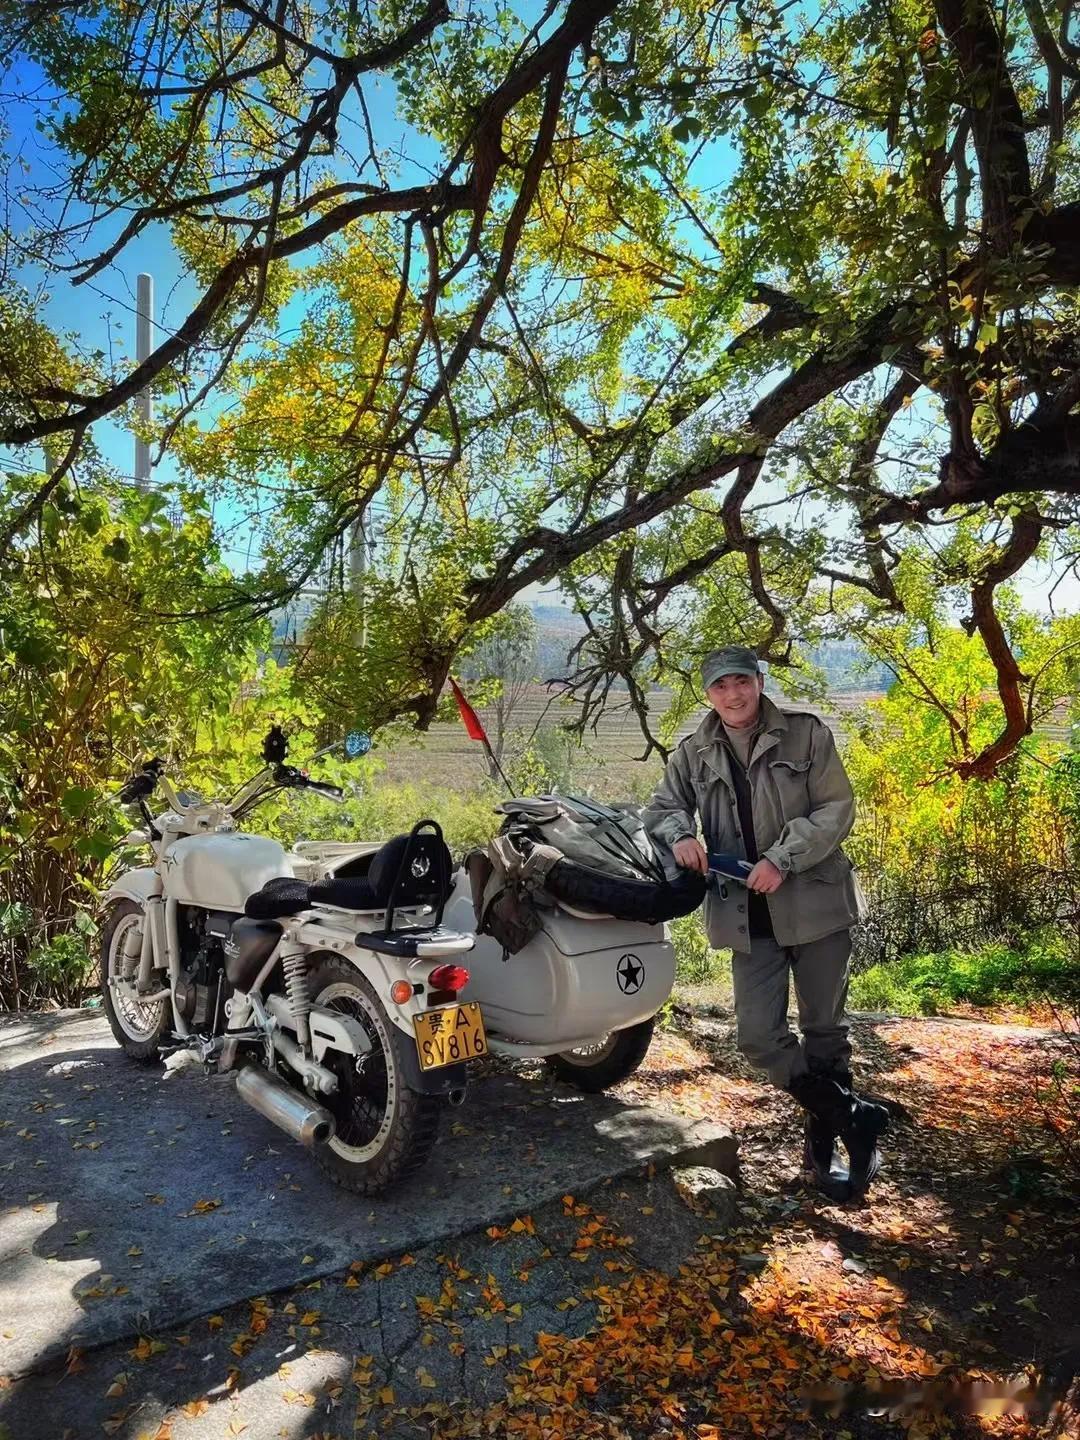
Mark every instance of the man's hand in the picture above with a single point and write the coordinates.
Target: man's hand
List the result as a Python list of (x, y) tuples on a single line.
[(690, 854), (764, 878)]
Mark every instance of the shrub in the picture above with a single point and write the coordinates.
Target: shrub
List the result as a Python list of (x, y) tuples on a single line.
[(63, 964), (996, 974), (696, 963), (468, 818)]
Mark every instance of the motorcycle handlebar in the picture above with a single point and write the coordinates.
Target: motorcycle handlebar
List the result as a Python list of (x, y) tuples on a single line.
[(332, 792), (140, 787)]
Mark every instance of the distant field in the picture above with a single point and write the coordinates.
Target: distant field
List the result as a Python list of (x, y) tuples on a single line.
[(609, 763)]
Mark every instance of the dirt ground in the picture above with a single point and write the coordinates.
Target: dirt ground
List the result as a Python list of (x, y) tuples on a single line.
[(623, 1315)]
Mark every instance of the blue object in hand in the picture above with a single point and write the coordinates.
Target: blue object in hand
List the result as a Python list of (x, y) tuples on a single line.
[(732, 867)]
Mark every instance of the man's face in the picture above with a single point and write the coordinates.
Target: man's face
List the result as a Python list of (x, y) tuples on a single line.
[(736, 699)]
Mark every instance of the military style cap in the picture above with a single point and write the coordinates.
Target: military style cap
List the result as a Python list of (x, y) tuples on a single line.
[(731, 660)]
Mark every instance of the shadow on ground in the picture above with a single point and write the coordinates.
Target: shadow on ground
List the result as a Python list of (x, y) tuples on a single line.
[(130, 1201)]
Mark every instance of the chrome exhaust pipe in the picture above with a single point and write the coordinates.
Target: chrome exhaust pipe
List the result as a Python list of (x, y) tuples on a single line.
[(287, 1108)]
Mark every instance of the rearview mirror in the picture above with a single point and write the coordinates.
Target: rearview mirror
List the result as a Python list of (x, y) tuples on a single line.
[(275, 746)]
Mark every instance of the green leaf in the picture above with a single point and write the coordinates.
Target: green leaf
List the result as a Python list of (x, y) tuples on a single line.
[(76, 801)]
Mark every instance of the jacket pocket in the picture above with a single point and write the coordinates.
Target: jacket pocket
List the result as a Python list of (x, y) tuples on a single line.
[(790, 778)]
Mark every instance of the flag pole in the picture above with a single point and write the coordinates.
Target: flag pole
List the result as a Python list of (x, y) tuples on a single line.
[(475, 730)]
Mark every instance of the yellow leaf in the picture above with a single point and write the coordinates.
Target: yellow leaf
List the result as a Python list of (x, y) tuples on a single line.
[(427, 1381), (386, 1395), (135, 1250), (352, 1283), (308, 1260), (195, 1408), (309, 1317), (215, 1322)]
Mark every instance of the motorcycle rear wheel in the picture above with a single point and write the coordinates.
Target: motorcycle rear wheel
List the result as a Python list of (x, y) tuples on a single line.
[(597, 1067), (138, 1029), (384, 1132)]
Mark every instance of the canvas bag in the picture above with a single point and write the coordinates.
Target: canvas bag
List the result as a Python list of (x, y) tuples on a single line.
[(612, 839)]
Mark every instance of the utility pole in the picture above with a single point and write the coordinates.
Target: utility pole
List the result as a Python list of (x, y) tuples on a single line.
[(357, 571), (144, 344)]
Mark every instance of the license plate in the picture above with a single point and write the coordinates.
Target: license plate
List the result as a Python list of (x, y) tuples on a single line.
[(449, 1035)]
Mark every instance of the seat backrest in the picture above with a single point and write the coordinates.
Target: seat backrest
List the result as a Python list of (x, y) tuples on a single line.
[(428, 879)]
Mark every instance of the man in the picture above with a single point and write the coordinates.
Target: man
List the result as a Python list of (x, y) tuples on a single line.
[(769, 787)]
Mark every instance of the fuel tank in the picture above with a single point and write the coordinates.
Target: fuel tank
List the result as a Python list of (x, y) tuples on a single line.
[(219, 872)]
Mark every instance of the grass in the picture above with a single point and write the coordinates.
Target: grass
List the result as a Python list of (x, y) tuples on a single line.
[(1019, 977), (1024, 978)]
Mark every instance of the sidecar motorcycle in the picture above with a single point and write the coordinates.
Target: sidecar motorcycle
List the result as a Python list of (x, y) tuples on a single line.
[(347, 986)]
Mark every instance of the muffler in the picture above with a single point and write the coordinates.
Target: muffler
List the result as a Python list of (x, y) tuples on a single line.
[(290, 1110)]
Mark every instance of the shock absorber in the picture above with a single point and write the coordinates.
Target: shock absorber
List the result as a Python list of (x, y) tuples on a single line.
[(296, 986)]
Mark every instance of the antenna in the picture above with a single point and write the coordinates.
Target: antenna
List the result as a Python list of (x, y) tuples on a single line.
[(144, 343)]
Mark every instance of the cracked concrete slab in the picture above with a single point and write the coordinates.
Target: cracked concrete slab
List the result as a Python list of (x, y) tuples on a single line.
[(312, 1361), (130, 1202)]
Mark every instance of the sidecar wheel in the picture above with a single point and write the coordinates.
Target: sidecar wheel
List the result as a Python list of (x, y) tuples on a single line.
[(138, 1029), (383, 1131), (597, 1067)]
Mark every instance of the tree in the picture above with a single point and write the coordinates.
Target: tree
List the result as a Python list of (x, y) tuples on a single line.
[(672, 267), (952, 864), (90, 686)]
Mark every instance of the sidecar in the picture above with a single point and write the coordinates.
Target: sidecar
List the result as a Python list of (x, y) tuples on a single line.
[(582, 994)]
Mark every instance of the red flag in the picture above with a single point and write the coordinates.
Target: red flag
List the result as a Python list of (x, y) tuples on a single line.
[(469, 717)]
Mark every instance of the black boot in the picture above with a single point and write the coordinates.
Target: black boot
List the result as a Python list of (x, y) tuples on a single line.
[(821, 1159), (834, 1107), (820, 1155)]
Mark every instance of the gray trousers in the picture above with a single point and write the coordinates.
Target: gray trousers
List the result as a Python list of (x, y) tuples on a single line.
[(761, 981)]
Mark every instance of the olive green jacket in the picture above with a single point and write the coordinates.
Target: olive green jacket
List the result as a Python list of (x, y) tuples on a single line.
[(803, 808)]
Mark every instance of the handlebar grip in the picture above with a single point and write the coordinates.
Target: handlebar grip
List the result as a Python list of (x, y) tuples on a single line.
[(334, 792), (139, 787)]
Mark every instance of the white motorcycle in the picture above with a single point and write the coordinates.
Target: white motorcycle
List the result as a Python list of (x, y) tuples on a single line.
[(326, 979)]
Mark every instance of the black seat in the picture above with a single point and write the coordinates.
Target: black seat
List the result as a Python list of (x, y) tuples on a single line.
[(347, 892), (278, 897), (427, 881)]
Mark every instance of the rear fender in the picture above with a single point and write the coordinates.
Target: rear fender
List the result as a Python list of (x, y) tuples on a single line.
[(382, 971)]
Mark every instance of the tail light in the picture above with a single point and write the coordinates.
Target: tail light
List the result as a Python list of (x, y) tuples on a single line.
[(449, 977)]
